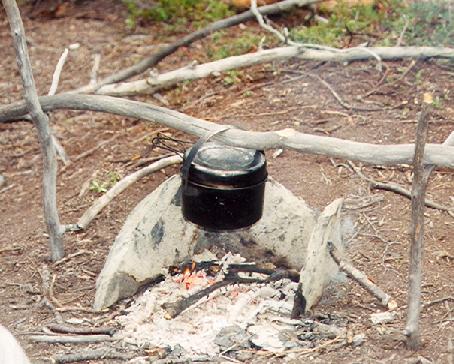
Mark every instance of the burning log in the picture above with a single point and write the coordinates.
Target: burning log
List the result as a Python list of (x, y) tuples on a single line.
[(173, 309)]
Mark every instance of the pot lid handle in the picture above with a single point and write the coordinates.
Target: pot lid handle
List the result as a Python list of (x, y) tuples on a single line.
[(195, 148)]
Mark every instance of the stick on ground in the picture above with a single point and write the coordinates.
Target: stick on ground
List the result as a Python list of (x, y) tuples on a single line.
[(157, 57), (120, 186), (70, 339), (97, 354), (361, 278)]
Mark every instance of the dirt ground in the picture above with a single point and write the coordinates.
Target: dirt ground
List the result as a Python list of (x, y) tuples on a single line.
[(268, 97)]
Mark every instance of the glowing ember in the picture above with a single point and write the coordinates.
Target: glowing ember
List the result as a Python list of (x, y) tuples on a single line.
[(190, 279)]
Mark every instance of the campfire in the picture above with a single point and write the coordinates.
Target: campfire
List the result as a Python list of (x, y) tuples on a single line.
[(226, 306), (237, 267)]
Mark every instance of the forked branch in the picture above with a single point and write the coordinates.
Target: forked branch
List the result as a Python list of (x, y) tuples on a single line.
[(41, 122)]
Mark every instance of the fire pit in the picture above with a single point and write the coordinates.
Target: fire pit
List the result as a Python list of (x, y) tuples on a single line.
[(219, 289), (250, 311)]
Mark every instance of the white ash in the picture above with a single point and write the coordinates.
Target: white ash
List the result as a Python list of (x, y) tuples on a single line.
[(195, 330)]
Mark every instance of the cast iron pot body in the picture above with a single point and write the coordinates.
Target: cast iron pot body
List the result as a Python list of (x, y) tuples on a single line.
[(224, 188)]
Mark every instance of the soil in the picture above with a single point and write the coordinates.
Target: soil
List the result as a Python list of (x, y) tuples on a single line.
[(268, 97)]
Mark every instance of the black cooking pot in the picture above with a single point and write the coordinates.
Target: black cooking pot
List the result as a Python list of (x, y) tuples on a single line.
[(223, 187)]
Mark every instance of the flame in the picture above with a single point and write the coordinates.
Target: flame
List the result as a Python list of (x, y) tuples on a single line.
[(191, 278)]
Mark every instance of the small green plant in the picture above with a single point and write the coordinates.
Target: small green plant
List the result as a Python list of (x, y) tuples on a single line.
[(103, 186), (344, 21), (223, 46), (232, 77), (176, 13)]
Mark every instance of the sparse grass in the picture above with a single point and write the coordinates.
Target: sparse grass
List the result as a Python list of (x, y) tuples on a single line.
[(428, 23), (175, 14), (222, 46)]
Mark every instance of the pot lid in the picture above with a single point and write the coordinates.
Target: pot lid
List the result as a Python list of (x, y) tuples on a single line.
[(217, 164)]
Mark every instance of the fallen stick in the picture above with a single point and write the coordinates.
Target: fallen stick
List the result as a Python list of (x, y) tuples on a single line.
[(164, 80), (119, 187), (394, 187), (41, 122), (361, 278), (66, 329), (437, 301), (383, 154), (154, 59), (98, 354), (74, 339)]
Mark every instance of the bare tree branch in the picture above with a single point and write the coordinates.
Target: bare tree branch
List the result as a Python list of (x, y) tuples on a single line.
[(154, 59), (156, 82), (420, 179), (287, 138), (41, 121), (52, 91), (394, 187), (119, 187)]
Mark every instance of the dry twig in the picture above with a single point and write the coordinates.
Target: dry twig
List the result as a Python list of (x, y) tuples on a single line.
[(361, 278), (73, 339), (394, 187), (65, 329), (96, 354), (120, 186)]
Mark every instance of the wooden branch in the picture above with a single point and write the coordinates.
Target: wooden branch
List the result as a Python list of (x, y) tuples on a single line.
[(394, 187), (73, 339), (52, 91), (420, 179), (361, 278), (287, 138), (120, 186), (97, 354), (154, 59), (57, 72), (65, 329), (41, 123), (158, 81)]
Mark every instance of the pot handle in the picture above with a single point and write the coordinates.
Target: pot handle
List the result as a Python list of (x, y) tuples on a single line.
[(195, 148)]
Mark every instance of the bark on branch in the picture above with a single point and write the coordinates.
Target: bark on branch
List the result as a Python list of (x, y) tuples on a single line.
[(420, 178), (41, 122), (435, 154), (159, 81)]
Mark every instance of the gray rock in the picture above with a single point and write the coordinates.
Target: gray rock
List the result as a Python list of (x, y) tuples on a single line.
[(2, 180), (382, 317), (155, 236), (232, 337), (358, 340)]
